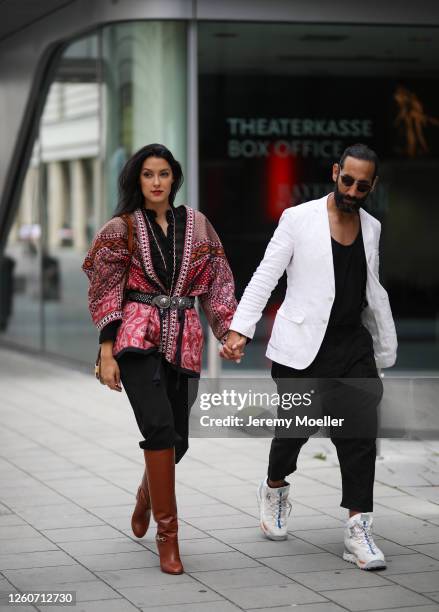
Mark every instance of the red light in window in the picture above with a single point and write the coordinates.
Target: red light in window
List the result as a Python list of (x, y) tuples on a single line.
[(281, 176)]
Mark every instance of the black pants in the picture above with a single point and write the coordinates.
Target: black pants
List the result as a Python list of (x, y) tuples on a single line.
[(345, 353), (161, 410)]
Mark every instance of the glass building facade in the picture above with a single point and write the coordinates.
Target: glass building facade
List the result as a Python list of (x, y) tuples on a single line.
[(277, 104)]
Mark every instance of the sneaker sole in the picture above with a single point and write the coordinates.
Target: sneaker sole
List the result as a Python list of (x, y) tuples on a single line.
[(266, 533), (372, 565)]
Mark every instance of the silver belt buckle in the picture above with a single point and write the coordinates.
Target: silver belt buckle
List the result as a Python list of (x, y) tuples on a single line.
[(162, 301)]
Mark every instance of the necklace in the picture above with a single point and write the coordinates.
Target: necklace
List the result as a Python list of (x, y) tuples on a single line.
[(160, 250)]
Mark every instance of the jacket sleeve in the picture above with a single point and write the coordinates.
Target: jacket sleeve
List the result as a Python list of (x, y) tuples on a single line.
[(276, 259), (219, 302), (106, 265)]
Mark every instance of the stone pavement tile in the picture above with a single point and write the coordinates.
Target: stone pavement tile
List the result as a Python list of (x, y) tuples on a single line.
[(23, 608), (434, 596), (196, 499), (400, 564), (13, 532), (432, 550), (99, 532), (428, 493), (57, 521), (411, 536), (91, 500), (11, 519), (208, 606), (67, 508), (188, 532), (383, 491), (403, 522), (217, 561), (276, 595), (68, 474), (428, 608), (232, 536), (388, 547), (44, 578), (257, 576), (422, 582), (233, 521), (126, 560), (92, 590), (101, 547), (35, 559), (323, 521), (413, 505), (314, 607), (374, 598), (142, 577), (106, 512), (338, 579), (269, 548), (306, 563), (44, 498), (106, 605), (162, 595), (27, 545), (319, 503), (190, 512), (321, 536), (202, 547), (303, 510), (123, 523)]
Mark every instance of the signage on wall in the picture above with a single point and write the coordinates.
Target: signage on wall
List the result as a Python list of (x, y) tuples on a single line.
[(261, 137), (413, 120)]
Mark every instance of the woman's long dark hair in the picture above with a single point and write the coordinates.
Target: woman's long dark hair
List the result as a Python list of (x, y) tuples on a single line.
[(130, 193)]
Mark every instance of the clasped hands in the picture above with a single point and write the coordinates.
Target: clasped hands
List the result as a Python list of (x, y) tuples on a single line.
[(232, 349)]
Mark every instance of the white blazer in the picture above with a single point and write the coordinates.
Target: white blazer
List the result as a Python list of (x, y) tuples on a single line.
[(301, 245)]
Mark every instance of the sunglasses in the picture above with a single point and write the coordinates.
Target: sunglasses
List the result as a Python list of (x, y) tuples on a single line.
[(348, 181)]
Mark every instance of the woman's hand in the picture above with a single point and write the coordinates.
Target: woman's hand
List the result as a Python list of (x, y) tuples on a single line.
[(109, 371), (233, 347)]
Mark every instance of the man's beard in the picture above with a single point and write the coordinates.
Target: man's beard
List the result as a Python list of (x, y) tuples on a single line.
[(354, 203)]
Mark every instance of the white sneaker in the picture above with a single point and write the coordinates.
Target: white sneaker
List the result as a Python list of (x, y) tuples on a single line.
[(274, 510), (359, 545)]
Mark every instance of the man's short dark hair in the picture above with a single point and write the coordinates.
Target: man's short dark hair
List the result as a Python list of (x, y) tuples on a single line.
[(360, 151)]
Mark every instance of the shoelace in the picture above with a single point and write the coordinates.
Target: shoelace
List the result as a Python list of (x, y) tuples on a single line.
[(279, 506), (362, 533)]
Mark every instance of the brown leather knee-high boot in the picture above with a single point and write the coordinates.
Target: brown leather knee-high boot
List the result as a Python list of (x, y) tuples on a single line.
[(160, 468), (142, 511)]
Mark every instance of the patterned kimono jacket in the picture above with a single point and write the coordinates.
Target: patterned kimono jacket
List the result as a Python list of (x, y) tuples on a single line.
[(204, 272)]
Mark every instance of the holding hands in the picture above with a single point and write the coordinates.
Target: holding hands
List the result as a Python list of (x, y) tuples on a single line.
[(233, 348)]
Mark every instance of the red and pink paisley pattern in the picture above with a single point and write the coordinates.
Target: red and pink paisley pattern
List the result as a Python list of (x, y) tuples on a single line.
[(204, 272)]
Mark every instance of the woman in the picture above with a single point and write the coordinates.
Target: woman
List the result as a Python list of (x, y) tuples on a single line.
[(146, 266)]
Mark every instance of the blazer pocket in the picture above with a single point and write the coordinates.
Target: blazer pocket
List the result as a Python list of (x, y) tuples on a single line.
[(292, 315)]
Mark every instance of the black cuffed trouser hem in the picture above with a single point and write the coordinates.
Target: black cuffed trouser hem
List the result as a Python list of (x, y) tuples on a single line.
[(355, 505), (180, 447)]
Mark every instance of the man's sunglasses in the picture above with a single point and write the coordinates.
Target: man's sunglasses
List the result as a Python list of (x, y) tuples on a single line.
[(348, 181)]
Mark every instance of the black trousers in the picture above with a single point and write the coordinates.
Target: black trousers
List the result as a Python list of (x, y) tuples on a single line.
[(161, 410), (345, 353)]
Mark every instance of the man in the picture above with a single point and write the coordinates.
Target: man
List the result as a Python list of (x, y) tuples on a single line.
[(335, 322)]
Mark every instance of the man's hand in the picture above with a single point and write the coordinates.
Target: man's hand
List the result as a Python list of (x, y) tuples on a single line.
[(232, 349)]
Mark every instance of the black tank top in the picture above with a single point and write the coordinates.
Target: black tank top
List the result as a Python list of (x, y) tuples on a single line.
[(350, 282)]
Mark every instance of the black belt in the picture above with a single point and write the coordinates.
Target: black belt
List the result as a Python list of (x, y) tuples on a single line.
[(165, 302), (161, 301)]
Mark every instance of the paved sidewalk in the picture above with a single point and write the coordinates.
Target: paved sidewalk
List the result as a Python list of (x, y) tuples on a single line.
[(70, 465)]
